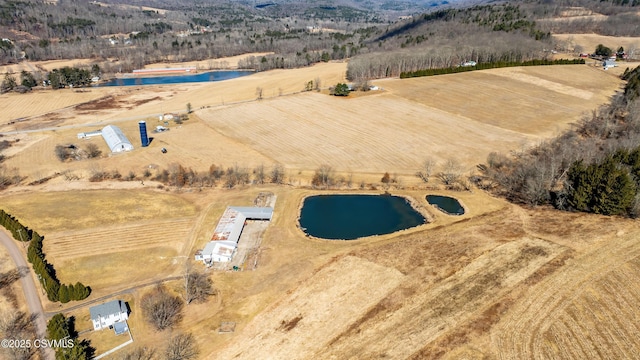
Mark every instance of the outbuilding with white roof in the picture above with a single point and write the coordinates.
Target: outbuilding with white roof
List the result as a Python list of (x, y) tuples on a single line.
[(116, 140)]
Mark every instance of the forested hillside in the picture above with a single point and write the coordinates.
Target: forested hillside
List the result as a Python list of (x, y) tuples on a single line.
[(506, 32), (382, 38)]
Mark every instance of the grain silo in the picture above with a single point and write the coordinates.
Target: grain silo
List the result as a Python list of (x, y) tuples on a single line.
[(143, 133)]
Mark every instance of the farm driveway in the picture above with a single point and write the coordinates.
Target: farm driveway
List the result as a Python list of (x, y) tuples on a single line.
[(30, 290)]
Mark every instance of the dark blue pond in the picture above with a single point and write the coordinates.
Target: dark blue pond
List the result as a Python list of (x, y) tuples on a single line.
[(350, 217), (177, 79), (446, 204)]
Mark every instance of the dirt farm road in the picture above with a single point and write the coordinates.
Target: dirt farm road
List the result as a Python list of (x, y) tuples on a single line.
[(30, 290)]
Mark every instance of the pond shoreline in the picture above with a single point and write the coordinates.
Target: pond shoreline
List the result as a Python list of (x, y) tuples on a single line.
[(402, 219)]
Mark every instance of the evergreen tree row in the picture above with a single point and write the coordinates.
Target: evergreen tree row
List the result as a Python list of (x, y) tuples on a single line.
[(607, 187), (63, 329), (19, 231), (45, 271), (488, 65)]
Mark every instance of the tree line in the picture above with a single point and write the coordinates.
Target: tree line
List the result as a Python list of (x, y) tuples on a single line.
[(592, 167), (185, 32), (484, 66), (472, 44), (44, 270), (61, 328), (608, 186)]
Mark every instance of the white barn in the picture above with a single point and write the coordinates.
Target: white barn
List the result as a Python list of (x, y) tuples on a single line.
[(115, 139), (224, 240), (108, 314)]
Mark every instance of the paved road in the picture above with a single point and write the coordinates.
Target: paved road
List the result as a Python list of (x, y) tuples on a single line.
[(29, 288)]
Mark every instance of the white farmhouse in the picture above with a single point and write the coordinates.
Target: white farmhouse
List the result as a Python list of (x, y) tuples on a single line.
[(113, 313)]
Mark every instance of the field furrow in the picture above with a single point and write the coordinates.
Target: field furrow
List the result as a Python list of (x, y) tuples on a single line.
[(167, 233), (560, 340), (529, 96), (385, 133), (426, 316), (589, 298)]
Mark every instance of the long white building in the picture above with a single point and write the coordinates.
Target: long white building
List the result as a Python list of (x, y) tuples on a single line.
[(226, 235), (116, 140)]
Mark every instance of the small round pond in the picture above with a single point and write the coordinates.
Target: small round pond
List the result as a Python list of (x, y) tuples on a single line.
[(446, 204), (350, 217)]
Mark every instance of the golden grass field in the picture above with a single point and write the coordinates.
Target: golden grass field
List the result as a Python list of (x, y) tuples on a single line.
[(500, 281), (589, 42), (393, 130)]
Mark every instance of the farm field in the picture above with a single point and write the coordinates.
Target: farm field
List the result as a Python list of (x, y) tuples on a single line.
[(588, 42), (375, 133), (391, 130), (136, 102), (500, 281), (486, 286), (537, 100)]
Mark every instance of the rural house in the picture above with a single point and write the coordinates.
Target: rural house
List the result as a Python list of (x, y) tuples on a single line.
[(609, 64), (111, 314)]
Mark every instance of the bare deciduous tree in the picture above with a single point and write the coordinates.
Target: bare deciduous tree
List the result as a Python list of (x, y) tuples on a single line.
[(181, 347), (138, 354), (12, 276), (62, 152), (92, 150), (277, 174), (8, 176), (317, 84), (161, 309), (427, 169), (451, 171), (324, 176), (197, 286), (259, 174), (236, 175), (17, 325)]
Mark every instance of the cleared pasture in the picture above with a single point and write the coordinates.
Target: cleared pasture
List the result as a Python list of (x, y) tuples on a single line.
[(111, 272), (18, 106), (74, 210), (136, 102), (589, 42), (331, 299), (447, 304), (374, 133), (452, 116), (104, 240), (539, 101)]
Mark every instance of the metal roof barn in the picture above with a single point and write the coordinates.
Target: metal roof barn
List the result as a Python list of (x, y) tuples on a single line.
[(115, 139), (227, 233)]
